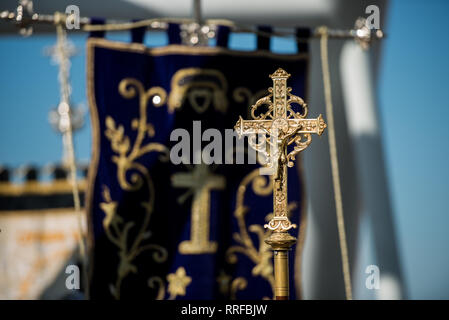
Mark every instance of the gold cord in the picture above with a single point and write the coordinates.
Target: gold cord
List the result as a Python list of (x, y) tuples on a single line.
[(334, 161), (68, 145), (158, 22), (123, 26)]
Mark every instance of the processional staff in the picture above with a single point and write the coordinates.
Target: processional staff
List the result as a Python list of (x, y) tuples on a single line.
[(278, 128)]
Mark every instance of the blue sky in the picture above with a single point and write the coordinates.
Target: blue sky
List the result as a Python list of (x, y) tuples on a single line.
[(413, 92), (414, 104)]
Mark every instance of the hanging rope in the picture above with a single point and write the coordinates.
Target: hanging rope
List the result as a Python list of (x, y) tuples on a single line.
[(323, 31), (69, 152)]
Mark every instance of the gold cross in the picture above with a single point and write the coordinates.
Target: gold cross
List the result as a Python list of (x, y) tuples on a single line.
[(200, 182), (278, 127)]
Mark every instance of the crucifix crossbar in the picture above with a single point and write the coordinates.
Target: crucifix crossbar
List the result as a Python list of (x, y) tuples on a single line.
[(280, 125)]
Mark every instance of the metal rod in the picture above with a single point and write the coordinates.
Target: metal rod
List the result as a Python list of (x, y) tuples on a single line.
[(162, 24), (197, 11), (281, 289)]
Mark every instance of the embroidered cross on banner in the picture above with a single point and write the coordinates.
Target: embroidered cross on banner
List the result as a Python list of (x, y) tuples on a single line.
[(200, 182)]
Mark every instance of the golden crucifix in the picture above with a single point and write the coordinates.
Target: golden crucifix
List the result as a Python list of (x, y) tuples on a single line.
[(271, 133)]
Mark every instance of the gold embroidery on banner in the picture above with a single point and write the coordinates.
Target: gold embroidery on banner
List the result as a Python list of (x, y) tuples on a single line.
[(118, 235), (195, 84), (94, 43), (241, 93), (177, 283), (261, 257), (115, 227), (200, 182), (224, 283), (157, 283), (237, 284)]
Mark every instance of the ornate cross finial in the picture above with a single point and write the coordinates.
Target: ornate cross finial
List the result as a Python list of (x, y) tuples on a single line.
[(271, 132), (280, 74)]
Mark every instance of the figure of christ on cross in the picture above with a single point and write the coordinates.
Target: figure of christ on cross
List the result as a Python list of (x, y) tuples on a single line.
[(279, 127)]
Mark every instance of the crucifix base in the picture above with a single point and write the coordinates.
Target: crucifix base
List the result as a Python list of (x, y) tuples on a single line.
[(280, 243)]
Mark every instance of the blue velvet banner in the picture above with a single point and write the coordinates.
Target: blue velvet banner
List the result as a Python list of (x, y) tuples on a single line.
[(180, 231)]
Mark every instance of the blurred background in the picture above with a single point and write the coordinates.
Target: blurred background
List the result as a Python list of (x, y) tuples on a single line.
[(411, 88)]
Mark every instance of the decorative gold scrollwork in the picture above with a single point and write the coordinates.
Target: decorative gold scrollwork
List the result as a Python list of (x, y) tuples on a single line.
[(240, 94), (158, 284), (198, 84), (237, 284), (224, 283), (260, 256), (116, 229)]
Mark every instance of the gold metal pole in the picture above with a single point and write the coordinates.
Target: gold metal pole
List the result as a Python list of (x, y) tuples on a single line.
[(281, 290), (281, 243)]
